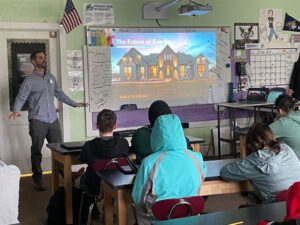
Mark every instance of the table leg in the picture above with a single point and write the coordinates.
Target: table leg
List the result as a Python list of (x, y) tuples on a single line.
[(122, 209), (219, 141), (68, 189), (108, 205), (243, 153), (55, 178), (234, 129), (196, 147)]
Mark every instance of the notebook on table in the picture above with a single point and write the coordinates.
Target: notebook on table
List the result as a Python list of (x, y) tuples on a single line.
[(73, 145)]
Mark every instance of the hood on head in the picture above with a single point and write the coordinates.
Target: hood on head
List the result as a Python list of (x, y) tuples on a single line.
[(167, 134), (293, 202), (157, 109)]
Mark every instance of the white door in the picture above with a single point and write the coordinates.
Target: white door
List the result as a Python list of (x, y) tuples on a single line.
[(15, 142)]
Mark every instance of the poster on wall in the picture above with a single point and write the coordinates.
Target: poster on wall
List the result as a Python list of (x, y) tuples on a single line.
[(271, 67), (245, 33), (24, 65), (75, 70), (98, 14), (270, 26)]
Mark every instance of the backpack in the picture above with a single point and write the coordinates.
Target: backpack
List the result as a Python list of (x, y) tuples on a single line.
[(56, 206)]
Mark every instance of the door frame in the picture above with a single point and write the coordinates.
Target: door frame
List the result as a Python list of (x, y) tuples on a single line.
[(62, 77)]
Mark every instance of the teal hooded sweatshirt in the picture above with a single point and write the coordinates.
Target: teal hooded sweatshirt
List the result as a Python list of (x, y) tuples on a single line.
[(287, 130), (171, 171)]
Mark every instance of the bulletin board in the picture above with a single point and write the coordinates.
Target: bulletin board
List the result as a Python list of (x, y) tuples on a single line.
[(142, 65)]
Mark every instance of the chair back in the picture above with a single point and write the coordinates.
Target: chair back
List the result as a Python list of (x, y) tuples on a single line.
[(281, 196), (109, 164), (178, 207)]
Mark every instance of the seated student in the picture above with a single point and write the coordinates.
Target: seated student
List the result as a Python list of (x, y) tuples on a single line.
[(286, 128), (171, 171), (108, 145), (140, 142), (271, 167), (292, 208)]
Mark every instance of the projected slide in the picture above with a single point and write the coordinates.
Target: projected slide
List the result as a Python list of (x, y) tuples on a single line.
[(177, 67)]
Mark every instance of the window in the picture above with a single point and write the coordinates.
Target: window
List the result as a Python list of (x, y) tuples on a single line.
[(182, 71), (200, 69), (154, 71), (168, 70), (142, 72), (168, 57), (128, 72)]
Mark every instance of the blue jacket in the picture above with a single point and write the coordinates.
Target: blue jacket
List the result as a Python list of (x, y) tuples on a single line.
[(171, 171)]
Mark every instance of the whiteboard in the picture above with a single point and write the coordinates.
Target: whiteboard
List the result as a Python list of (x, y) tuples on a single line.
[(99, 77), (101, 92)]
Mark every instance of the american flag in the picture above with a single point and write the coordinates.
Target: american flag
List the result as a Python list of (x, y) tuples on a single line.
[(71, 18)]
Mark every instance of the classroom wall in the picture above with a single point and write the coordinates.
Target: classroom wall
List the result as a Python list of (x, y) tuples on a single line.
[(129, 13)]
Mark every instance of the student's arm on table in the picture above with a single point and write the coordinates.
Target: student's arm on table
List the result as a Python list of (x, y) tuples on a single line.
[(240, 170)]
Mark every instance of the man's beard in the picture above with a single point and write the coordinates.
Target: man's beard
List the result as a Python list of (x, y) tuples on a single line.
[(41, 66)]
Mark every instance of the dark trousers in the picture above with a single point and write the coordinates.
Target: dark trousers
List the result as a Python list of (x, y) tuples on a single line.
[(38, 131)]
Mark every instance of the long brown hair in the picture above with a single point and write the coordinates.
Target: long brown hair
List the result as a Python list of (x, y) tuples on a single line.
[(260, 136)]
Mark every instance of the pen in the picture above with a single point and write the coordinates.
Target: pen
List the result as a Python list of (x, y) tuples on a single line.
[(241, 222)]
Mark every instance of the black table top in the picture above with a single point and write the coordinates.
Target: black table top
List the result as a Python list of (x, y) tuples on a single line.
[(249, 216), (242, 131), (118, 180), (58, 148)]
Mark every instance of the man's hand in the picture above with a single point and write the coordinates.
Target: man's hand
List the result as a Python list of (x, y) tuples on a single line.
[(13, 115), (290, 92), (83, 104)]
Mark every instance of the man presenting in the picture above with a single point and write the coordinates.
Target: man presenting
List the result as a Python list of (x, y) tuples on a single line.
[(39, 89)]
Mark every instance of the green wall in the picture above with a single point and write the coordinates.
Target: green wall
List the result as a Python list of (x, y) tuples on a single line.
[(129, 13)]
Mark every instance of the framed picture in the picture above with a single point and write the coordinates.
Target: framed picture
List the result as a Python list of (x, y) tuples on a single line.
[(245, 33)]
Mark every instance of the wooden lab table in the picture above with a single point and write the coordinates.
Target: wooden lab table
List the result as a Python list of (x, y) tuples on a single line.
[(118, 186)]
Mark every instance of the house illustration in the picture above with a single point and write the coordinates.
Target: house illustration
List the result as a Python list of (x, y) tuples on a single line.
[(159, 66)]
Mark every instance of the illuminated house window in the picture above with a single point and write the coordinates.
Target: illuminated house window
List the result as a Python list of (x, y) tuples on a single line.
[(200, 69), (142, 72), (128, 72), (154, 71), (182, 71), (168, 70)]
